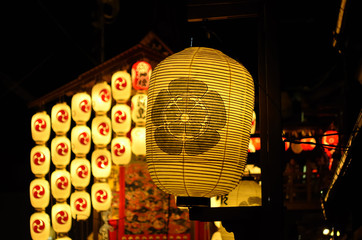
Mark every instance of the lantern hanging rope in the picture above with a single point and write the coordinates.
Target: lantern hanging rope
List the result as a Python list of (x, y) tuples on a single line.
[(200, 105)]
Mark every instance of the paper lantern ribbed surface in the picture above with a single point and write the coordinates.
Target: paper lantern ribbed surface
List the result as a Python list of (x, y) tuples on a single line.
[(40, 226), (200, 105)]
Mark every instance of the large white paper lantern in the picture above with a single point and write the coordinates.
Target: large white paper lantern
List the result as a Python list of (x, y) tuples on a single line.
[(141, 74), (247, 193), (40, 160), (101, 97), (101, 130), (40, 127), (101, 196), (60, 184), (121, 118), (138, 143), (139, 108), (61, 118), (80, 205), (81, 107), (61, 151), (101, 163), (81, 140), (61, 218), (121, 86), (199, 112), (40, 226), (39, 191), (80, 172), (121, 150)]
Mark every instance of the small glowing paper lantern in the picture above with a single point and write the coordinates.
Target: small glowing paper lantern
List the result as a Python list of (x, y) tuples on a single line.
[(61, 218), (60, 184), (40, 127), (139, 108), (81, 107), (247, 193), (199, 117), (138, 143), (101, 196), (141, 74), (39, 193), (101, 130), (330, 138), (61, 118), (253, 123), (121, 150), (101, 163), (308, 144), (40, 226), (296, 148), (121, 118), (101, 97), (81, 140), (80, 172), (40, 160), (60, 149), (254, 144), (286, 144), (121, 86), (80, 205)]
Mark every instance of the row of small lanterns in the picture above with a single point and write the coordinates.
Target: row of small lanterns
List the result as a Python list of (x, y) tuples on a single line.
[(80, 144)]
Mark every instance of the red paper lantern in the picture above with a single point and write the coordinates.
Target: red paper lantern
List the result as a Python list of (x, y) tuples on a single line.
[(141, 74), (330, 138), (308, 143)]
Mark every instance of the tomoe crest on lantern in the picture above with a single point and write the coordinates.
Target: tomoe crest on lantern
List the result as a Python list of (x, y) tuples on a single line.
[(81, 107), (101, 163), (61, 218), (40, 160), (101, 196), (80, 205), (101, 97), (121, 86), (80, 172), (61, 117), (101, 130), (200, 105), (39, 225), (40, 127)]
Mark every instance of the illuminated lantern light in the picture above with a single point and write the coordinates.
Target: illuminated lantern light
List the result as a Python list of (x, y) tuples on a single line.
[(253, 123), (61, 118), (81, 140), (330, 138), (247, 193), (121, 118), (40, 127), (254, 144), (40, 160), (80, 172), (60, 184), (40, 226), (296, 148), (306, 146), (81, 107), (101, 130), (101, 163), (39, 191), (121, 86), (101, 196), (64, 238), (138, 143), (198, 120), (286, 144), (60, 150), (101, 97), (141, 74), (61, 218), (80, 205), (139, 108), (121, 150)]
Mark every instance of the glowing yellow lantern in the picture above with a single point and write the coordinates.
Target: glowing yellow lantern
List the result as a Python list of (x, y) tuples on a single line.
[(121, 118), (247, 193), (121, 150), (141, 74), (101, 97), (80, 172), (121, 86), (101, 130), (253, 123), (81, 140), (199, 113), (61, 218), (60, 149), (139, 108), (40, 226), (80, 205), (40, 160), (101, 163), (81, 107), (138, 143), (60, 184), (40, 127), (61, 118), (39, 193), (101, 196)]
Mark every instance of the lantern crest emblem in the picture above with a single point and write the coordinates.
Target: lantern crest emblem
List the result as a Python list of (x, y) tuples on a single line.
[(38, 226), (190, 117)]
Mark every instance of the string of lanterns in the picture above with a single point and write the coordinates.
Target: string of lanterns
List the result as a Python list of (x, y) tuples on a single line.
[(81, 169)]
